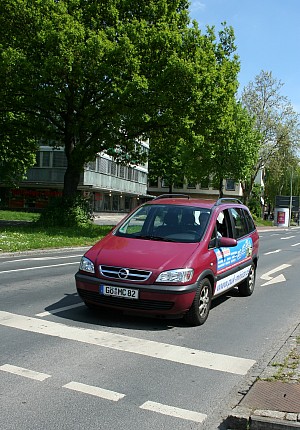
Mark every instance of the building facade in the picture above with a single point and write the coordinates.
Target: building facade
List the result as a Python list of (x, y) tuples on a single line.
[(109, 185), (205, 189)]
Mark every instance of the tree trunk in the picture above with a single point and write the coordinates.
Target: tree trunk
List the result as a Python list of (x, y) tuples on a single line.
[(221, 194), (71, 182)]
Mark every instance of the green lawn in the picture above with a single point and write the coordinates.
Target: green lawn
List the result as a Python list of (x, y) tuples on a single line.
[(18, 216), (15, 238)]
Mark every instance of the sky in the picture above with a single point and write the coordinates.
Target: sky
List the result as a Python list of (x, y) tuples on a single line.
[(267, 36)]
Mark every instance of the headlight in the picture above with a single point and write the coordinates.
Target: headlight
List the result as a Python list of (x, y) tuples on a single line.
[(177, 275), (86, 265)]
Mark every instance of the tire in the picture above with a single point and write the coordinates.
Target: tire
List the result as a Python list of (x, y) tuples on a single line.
[(198, 312), (246, 287)]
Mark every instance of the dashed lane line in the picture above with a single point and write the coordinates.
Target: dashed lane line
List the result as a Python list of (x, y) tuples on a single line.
[(272, 252), (148, 348), (174, 412), (109, 394), (27, 373), (38, 267), (94, 391)]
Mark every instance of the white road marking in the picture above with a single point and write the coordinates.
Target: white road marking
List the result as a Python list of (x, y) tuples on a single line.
[(174, 412), (38, 267), (267, 276), (59, 257), (94, 391), (276, 280), (56, 311), (148, 348), (21, 371), (296, 244), (288, 237), (270, 280), (272, 252)]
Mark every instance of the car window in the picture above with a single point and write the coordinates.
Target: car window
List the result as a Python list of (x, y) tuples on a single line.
[(222, 227), (239, 222), (135, 223), (176, 223), (250, 222)]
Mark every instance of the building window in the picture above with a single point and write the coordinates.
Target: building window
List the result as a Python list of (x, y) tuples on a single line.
[(103, 165), (45, 158), (59, 159), (153, 182), (204, 183), (165, 183), (230, 185)]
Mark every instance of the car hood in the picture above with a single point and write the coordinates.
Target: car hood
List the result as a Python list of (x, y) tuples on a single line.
[(140, 253)]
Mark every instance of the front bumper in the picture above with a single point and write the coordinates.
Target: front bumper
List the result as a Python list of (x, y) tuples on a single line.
[(153, 299)]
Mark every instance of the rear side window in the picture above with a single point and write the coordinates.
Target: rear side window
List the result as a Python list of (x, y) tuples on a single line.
[(240, 227), (250, 222)]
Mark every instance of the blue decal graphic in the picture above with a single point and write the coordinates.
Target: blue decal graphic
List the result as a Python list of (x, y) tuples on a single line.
[(229, 256)]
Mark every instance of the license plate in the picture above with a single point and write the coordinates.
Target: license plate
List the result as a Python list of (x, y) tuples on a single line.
[(126, 293)]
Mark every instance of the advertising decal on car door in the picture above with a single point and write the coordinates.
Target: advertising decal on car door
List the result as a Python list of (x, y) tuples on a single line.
[(228, 258)]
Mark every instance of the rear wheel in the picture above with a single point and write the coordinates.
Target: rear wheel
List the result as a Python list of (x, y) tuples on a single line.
[(246, 287), (198, 312)]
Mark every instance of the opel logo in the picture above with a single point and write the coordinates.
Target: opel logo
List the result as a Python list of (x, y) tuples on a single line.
[(123, 273)]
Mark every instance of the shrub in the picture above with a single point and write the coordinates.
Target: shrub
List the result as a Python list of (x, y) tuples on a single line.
[(66, 212)]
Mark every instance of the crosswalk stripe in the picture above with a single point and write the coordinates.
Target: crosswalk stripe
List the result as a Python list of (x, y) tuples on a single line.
[(174, 412), (27, 373), (149, 348)]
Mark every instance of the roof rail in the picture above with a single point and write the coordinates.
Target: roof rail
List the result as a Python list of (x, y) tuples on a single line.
[(228, 200), (166, 196)]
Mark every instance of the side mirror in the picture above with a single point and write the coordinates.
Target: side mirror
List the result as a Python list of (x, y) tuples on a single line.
[(226, 242)]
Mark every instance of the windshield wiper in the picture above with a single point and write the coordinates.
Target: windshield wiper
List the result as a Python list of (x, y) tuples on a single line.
[(150, 237)]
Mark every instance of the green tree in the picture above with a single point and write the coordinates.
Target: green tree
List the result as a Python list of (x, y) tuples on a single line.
[(217, 136), (275, 121), (17, 151), (95, 76)]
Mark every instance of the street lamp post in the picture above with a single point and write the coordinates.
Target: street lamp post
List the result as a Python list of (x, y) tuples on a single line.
[(291, 198)]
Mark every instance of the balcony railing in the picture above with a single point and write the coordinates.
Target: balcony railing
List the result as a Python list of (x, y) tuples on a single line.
[(88, 179), (112, 183)]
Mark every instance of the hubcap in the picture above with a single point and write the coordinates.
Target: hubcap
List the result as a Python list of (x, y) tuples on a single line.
[(204, 301), (251, 278)]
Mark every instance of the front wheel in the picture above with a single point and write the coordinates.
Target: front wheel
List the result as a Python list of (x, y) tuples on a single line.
[(246, 287), (198, 312)]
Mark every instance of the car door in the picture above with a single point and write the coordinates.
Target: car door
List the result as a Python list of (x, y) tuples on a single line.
[(233, 262)]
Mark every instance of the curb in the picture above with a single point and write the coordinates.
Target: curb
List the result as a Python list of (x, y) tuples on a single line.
[(243, 417)]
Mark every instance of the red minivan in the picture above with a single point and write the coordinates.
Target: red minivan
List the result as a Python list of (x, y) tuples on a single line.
[(171, 257)]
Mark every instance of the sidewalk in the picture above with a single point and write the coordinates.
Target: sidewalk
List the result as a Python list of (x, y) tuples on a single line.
[(108, 218), (270, 398)]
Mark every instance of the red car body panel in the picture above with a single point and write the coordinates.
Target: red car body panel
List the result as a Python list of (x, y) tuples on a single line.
[(157, 256)]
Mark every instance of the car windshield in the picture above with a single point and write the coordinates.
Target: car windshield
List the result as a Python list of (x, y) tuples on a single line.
[(166, 223)]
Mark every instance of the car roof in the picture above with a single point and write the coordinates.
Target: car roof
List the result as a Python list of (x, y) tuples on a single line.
[(187, 201)]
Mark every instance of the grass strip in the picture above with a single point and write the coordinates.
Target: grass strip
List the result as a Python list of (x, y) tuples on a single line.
[(31, 236)]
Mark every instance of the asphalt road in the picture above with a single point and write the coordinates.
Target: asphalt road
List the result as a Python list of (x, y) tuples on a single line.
[(65, 367)]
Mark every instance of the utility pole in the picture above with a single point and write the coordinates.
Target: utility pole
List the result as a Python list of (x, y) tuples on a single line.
[(291, 198)]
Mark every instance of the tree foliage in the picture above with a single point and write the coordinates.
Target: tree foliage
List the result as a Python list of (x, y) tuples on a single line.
[(219, 139), (277, 124), (87, 74), (17, 150)]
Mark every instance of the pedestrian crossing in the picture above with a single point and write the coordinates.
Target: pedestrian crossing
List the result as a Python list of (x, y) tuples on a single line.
[(149, 348), (133, 345)]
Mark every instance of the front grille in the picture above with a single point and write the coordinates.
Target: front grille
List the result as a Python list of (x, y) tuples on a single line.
[(124, 273), (147, 305)]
